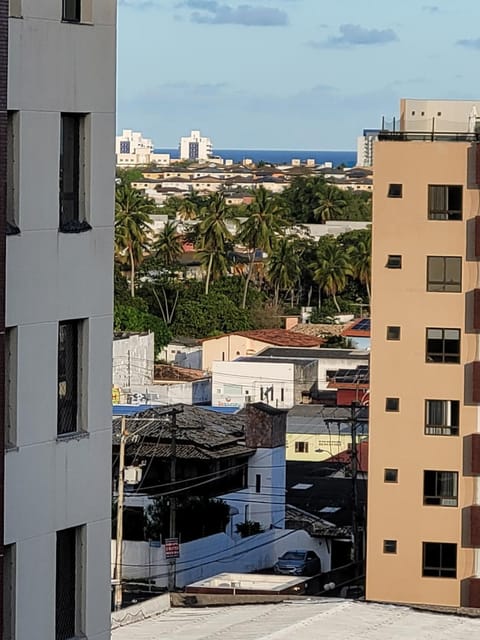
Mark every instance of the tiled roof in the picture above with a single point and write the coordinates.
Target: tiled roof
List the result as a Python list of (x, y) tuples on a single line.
[(278, 337), (344, 457), (359, 328), (319, 330)]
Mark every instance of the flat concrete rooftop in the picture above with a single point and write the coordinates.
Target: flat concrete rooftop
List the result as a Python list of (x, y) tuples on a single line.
[(302, 620)]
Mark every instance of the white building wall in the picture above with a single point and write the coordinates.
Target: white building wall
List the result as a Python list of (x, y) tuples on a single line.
[(236, 383), (267, 506), (56, 483), (133, 360), (333, 364), (204, 146), (216, 554), (196, 392)]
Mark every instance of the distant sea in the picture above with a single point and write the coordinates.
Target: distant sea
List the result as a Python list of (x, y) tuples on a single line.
[(280, 156)]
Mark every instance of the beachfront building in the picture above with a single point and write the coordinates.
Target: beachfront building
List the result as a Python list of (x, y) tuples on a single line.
[(365, 144), (424, 465), (195, 147), (132, 149), (57, 77)]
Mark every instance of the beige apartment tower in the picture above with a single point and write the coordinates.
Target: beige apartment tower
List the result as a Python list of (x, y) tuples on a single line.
[(424, 469)]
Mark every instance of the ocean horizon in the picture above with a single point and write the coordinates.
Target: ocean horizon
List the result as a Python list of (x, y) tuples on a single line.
[(280, 156)]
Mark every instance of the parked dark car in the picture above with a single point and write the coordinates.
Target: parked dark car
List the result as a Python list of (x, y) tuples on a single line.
[(298, 563)]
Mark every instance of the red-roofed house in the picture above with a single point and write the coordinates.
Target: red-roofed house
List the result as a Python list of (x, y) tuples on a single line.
[(345, 457), (229, 346), (359, 333)]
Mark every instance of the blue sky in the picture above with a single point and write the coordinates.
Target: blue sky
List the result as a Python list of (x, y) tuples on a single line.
[(288, 74)]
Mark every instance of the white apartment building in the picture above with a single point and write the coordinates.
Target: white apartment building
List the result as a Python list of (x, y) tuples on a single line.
[(132, 149), (365, 144), (195, 147), (59, 115)]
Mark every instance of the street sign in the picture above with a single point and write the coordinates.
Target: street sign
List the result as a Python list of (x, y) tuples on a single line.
[(172, 548)]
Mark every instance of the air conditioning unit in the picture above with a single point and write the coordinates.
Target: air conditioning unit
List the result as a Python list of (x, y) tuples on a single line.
[(448, 502), (132, 475)]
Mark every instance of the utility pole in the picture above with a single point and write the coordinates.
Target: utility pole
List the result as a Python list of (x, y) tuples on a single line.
[(354, 469), (124, 435), (173, 501), (120, 501)]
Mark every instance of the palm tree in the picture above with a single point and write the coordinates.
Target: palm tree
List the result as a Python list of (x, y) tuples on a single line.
[(168, 245), (132, 226), (191, 207), (214, 236), (265, 220), (331, 204), (361, 261), (284, 266), (332, 270)]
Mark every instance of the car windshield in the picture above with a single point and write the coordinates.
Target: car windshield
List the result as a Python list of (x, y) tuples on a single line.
[(293, 555)]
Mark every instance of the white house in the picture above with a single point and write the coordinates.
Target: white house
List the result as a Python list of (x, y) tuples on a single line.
[(279, 383), (57, 160)]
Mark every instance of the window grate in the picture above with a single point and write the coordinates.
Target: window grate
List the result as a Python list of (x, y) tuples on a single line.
[(65, 590), (68, 348)]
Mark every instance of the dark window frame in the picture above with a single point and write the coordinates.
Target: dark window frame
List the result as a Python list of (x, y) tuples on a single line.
[(72, 214), (258, 483), (441, 569), (393, 332), (444, 354), (392, 404), (442, 418), (72, 11), (436, 489), (442, 204), (443, 285), (9, 591), (394, 261), (301, 446), (69, 358), (395, 190), (13, 173), (69, 583), (389, 546), (390, 475)]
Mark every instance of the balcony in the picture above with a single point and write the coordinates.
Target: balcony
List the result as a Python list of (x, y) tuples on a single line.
[(471, 455), (430, 136), (471, 526), (470, 592)]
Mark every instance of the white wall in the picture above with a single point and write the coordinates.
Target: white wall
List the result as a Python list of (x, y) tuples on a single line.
[(333, 364), (133, 360), (232, 381), (51, 483), (196, 392), (268, 505), (215, 554)]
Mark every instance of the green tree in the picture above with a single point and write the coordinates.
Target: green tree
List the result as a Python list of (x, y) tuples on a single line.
[(168, 245), (331, 204), (214, 237), (133, 319), (361, 261), (132, 225), (265, 220), (283, 268), (332, 270)]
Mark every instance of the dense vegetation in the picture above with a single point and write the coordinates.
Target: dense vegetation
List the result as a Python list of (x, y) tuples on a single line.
[(252, 272)]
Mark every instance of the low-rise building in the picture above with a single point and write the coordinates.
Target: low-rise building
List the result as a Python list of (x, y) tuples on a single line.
[(133, 360), (281, 382), (230, 346), (317, 433)]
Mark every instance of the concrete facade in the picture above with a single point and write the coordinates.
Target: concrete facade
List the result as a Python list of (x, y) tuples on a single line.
[(133, 360), (279, 383), (439, 115), (59, 482), (195, 147), (408, 529)]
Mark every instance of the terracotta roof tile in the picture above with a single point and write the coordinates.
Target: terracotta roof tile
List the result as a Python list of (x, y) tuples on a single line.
[(277, 337)]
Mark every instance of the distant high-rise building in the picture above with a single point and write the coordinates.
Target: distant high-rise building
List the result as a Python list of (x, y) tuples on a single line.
[(195, 147), (365, 147), (132, 149), (424, 450), (57, 126)]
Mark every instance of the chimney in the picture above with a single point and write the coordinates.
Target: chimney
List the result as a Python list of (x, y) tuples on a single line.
[(266, 427)]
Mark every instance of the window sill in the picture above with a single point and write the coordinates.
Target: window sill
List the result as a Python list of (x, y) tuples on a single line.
[(76, 226), (75, 435), (11, 229), (11, 447), (79, 22)]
